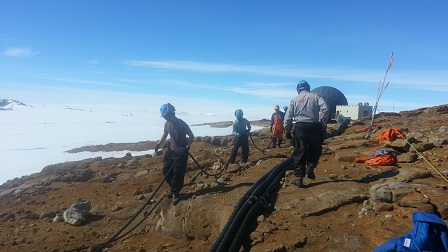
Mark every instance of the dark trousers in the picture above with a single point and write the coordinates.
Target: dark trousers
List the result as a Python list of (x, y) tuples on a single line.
[(243, 142), (174, 166), (307, 140), (274, 142)]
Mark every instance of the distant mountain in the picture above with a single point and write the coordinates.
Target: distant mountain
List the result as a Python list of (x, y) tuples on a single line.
[(9, 104)]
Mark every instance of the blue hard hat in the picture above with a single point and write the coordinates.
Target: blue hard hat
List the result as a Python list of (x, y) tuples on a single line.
[(285, 108), (239, 113), (167, 109), (303, 85)]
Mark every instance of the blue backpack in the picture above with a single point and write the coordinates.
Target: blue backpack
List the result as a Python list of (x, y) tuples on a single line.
[(430, 233)]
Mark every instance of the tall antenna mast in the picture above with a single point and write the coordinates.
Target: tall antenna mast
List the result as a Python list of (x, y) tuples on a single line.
[(381, 87)]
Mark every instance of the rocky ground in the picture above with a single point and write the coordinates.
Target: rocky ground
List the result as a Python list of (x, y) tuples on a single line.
[(348, 207)]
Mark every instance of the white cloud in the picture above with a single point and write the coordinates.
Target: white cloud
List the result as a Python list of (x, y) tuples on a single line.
[(93, 62), (266, 93), (19, 52), (425, 80), (188, 66), (277, 70)]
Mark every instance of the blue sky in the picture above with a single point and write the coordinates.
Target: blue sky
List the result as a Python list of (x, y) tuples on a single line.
[(226, 54)]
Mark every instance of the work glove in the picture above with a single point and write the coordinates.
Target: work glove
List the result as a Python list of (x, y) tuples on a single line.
[(156, 149), (288, 135)]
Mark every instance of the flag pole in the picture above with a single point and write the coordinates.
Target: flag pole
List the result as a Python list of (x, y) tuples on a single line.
[(381, 88)]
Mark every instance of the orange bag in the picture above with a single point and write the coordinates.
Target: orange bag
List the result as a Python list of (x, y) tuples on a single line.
[(391, 134), (383, 158)]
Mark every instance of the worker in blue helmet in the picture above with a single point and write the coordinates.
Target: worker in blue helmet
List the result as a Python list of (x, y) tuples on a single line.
[(241, 129), (176, 157), (285, 108), (305, 120)]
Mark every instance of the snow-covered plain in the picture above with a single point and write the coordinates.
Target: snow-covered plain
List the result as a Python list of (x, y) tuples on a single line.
[(37, 136)]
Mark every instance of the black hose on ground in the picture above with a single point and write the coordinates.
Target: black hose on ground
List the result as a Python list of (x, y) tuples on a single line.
[(235, 212), (254, 212), (228, 234), (257, 191)]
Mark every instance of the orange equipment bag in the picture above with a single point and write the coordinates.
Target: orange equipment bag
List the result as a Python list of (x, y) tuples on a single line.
[(383, 158), (391, 134)]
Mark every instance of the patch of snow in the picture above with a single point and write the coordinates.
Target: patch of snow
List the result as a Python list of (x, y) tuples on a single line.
[(36, 136)]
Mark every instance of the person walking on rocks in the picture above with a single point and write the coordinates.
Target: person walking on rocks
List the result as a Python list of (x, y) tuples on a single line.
[(241, 129), (276, 126), (176, 157), (308, 114)]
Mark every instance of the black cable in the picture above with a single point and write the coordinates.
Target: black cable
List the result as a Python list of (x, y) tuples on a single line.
[(141, 209), (114, 237), (117, 235), (123, 235), (256, 147), (141, 221), (204, 170)]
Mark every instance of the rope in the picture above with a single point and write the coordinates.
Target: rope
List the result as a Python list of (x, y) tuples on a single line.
[(419, 153)]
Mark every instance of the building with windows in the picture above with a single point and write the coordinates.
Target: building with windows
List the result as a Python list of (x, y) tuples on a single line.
[(353, 112)]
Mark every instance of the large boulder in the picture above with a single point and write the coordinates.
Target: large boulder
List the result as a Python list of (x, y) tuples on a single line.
[(76, 214)]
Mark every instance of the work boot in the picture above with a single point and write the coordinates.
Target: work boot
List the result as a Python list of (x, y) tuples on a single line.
[(310, 170), (169, 195), (279, 143), (310, 173), (176, 199), (298, 182)]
